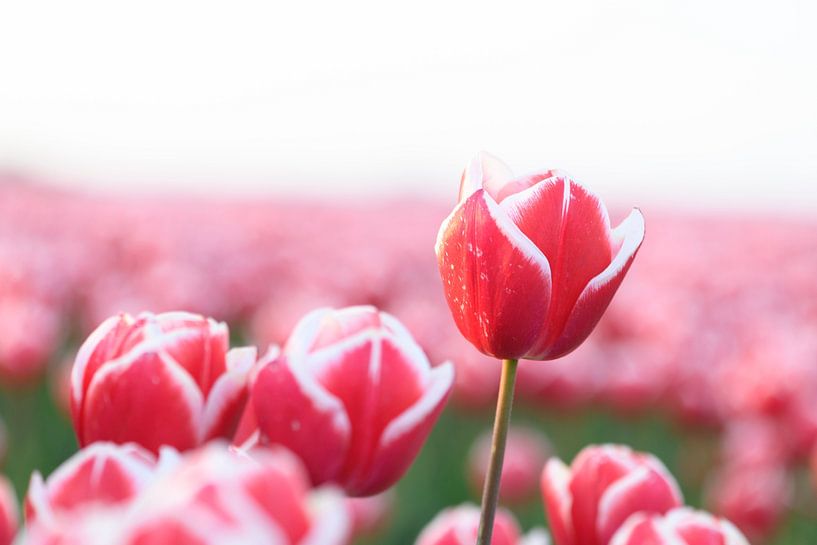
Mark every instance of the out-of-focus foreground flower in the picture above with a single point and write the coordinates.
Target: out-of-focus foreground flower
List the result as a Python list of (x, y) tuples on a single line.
[(458, 526), (9, 517), (530, 263), (158, 379), (352, 395)]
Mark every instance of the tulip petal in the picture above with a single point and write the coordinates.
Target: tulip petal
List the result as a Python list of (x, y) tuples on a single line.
[(570, 226), (228, 395), (126, 396), (558, 501), (485, 171), (404, 436), (643, 490), (497, 282), (597, 294), (293, 409)]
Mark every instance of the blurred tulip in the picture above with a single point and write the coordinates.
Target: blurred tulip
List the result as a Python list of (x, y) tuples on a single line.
[(754, 497), (356, 379), (31, 334), (9, 518), (164, 379), (530, 263), (526, 452), (100, 473), (458, 526), (681, 526), (587, 502), (210, 497), (370, 514)]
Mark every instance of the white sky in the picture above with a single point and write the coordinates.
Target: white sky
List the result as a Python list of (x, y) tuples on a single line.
[(709, 103)]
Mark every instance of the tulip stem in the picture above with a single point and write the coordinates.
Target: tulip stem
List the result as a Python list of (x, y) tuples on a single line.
[(490, 492)]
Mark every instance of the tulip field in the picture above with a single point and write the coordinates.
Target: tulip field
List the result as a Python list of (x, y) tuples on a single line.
[(277, 371)]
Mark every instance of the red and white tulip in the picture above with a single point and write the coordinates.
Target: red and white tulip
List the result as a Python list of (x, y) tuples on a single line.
[(681, 526), (352, 395), (158, 379), (530, 263), (588, 501)]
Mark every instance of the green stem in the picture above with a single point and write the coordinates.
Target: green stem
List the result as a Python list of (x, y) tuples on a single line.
[(490, 493)]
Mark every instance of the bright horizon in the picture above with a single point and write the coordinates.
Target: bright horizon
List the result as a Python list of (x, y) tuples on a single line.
[(700, 106)]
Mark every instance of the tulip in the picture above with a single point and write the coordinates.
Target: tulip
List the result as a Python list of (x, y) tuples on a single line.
[(526, 452), (587, 502), (164, 379), (270, 490), (8, 512), (100, 473), (352, 395), (681, 526), (530, 263), (370, 514), (458, 526), (210, 497)]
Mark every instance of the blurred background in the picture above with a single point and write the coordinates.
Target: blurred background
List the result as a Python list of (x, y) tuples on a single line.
[(254, 160)]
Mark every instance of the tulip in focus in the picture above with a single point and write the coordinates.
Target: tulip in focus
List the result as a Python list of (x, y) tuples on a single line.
[(681, 526), (102, 473), (352, 395), (530, 263), (458, 526), (158, 379), (526, 452), (588, 501), (8, 512)]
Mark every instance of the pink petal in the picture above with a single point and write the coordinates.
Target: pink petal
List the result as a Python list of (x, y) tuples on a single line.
[(145, 398), (558, 501), (497, 283), (228, 395), (570, 226), (598, 293), (487, 172), (292, 409)]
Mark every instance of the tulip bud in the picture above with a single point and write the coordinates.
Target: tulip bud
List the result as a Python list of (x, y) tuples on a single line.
[(164, 379), (681, 526), (352, 395), (530, 263), (526, 452), (8, 512), (587, 502), (100, 473)]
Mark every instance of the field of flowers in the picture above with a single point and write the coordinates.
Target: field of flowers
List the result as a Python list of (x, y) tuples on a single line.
[(706, 358)]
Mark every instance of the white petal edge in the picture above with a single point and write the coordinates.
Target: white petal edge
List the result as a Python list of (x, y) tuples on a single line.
[(558, 475), (87, 349), (240, 362), (537, 536), (441, 378), (484, 171), (630, 233), (332, 524)]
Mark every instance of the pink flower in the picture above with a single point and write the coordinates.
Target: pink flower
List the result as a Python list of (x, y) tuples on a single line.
[(9, 518), (210, 497), (164, 379), (102, 473), (370, 514), (526, 452), (587, 502), (681, 526), (352, 395), (459, 525), (530, 263)]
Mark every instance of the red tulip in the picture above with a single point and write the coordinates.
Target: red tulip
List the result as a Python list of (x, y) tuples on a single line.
[(681, 526), (530, 263), (164, 379), (100, 473), (240, 495), (8, 512), (587, 502), (352, 395), (526, 452), (210, 497), (458, 526)]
